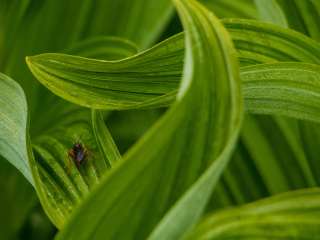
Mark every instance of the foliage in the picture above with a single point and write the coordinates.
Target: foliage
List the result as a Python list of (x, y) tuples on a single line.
[(180, 113)]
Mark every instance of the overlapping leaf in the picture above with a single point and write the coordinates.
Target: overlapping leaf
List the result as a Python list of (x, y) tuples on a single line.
[(289, 89), (170, 158), (13, 126), (49, 176), (293, 215), (59, 184), (22, 33), (150, 80), (302, 16), (285, 142), (271, 89), (21, 27)]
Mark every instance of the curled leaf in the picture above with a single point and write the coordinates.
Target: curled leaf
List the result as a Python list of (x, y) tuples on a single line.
[(182, 156), (292, 215)]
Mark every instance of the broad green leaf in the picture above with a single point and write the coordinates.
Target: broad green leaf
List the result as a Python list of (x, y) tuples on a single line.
[(126, 84), (286, 144), (259, 42), (14, 126), (293, 147), (159, 59), (32, 27), (187, 141), (16, 148), (289, 89), (303, 16), (292, 215), (256, 43), (60, 185), (183, 215)]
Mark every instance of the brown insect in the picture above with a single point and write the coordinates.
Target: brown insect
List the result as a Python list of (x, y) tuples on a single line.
[(78, 154)]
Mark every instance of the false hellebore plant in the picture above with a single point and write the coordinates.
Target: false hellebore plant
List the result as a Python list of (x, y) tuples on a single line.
[(176, 140)]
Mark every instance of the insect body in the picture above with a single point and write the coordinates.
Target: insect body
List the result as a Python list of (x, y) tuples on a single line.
[(78, 153)]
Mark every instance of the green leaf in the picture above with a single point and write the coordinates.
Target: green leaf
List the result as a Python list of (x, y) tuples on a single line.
[(13, 126), (288, 146), (89, 76), (149, 79), (104, 139), (256, 42), (22, 33), (271, 11), (187, 147), (288, 89), (259, 42), (232, 9), (60, 185), (293, 215)]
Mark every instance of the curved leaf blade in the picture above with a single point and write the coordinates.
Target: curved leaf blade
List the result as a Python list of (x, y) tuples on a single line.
[(157, 163), (287, 89), (149, 79), (13, 128), (292, 215), (60, 185)]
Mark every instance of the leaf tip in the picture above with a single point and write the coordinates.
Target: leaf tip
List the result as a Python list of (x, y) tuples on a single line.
[(28, 61), (31, 63)]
